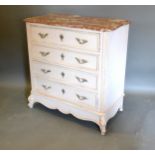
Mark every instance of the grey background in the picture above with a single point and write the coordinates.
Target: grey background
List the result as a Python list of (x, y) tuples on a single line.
[(14, 70), (42, 128)]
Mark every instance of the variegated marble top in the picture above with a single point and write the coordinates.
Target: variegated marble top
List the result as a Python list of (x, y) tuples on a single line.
[(76, 21)]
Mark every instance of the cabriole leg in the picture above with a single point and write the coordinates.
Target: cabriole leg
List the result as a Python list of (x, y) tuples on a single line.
[(103, 129), (31, 101), (102, 125), (121, 105)]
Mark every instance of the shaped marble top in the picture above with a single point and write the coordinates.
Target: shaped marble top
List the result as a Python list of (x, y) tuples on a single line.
[(81, 22)]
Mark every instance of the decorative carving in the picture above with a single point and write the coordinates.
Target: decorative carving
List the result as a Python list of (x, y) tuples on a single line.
[(67, 110)]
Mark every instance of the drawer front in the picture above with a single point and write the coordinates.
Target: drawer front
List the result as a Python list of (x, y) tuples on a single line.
[(61, 37), (67, 93), (68, 58), (65, 75)]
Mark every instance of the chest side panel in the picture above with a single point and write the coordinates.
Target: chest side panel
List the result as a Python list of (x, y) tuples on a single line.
[(115, 64)]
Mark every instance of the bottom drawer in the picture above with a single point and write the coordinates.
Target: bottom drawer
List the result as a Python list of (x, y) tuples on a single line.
[(65, 92)]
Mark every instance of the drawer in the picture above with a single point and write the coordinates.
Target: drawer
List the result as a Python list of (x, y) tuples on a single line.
[(64, 37), (64, 57), (65, 75), (67, 93)]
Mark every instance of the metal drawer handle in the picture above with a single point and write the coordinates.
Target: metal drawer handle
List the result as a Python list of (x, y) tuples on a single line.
[(45, 71), (46, 87), (81, 97), (81, 41), (43, 35), (44, 53), (81, 80), (81, 61)]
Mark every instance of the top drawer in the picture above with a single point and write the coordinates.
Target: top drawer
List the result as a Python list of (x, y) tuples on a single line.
[(67, 38)]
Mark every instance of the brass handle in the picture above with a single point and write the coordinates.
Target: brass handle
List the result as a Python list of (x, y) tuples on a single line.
[(46, 87), (81, 41), (45, 71), (81, 97), (44, 53), (81, 80), (81, 61), (43, 35)]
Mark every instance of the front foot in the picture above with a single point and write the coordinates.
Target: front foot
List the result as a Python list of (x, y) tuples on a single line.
[(121, 108), (103, 130), (31, 102), (102, 125), (121, 103)]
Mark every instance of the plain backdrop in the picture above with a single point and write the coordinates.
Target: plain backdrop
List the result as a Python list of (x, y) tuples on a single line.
[(140, 70)]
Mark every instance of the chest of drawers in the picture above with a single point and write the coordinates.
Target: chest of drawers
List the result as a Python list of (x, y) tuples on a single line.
[(77, 65)]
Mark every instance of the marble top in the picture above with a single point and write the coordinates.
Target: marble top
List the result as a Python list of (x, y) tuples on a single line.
[(76, 21)]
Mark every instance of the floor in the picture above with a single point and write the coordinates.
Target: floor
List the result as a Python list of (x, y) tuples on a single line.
[(41, 128)]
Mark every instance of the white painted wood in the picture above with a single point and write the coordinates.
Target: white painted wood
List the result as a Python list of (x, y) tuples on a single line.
[(62, 74), (67, 107), (115, 62), (71, 58), (104, 57), (63, 37)]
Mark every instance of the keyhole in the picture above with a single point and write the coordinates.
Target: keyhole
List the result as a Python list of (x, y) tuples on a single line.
[(63, 91), (62, 56), (62, 74), (61, 37)]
